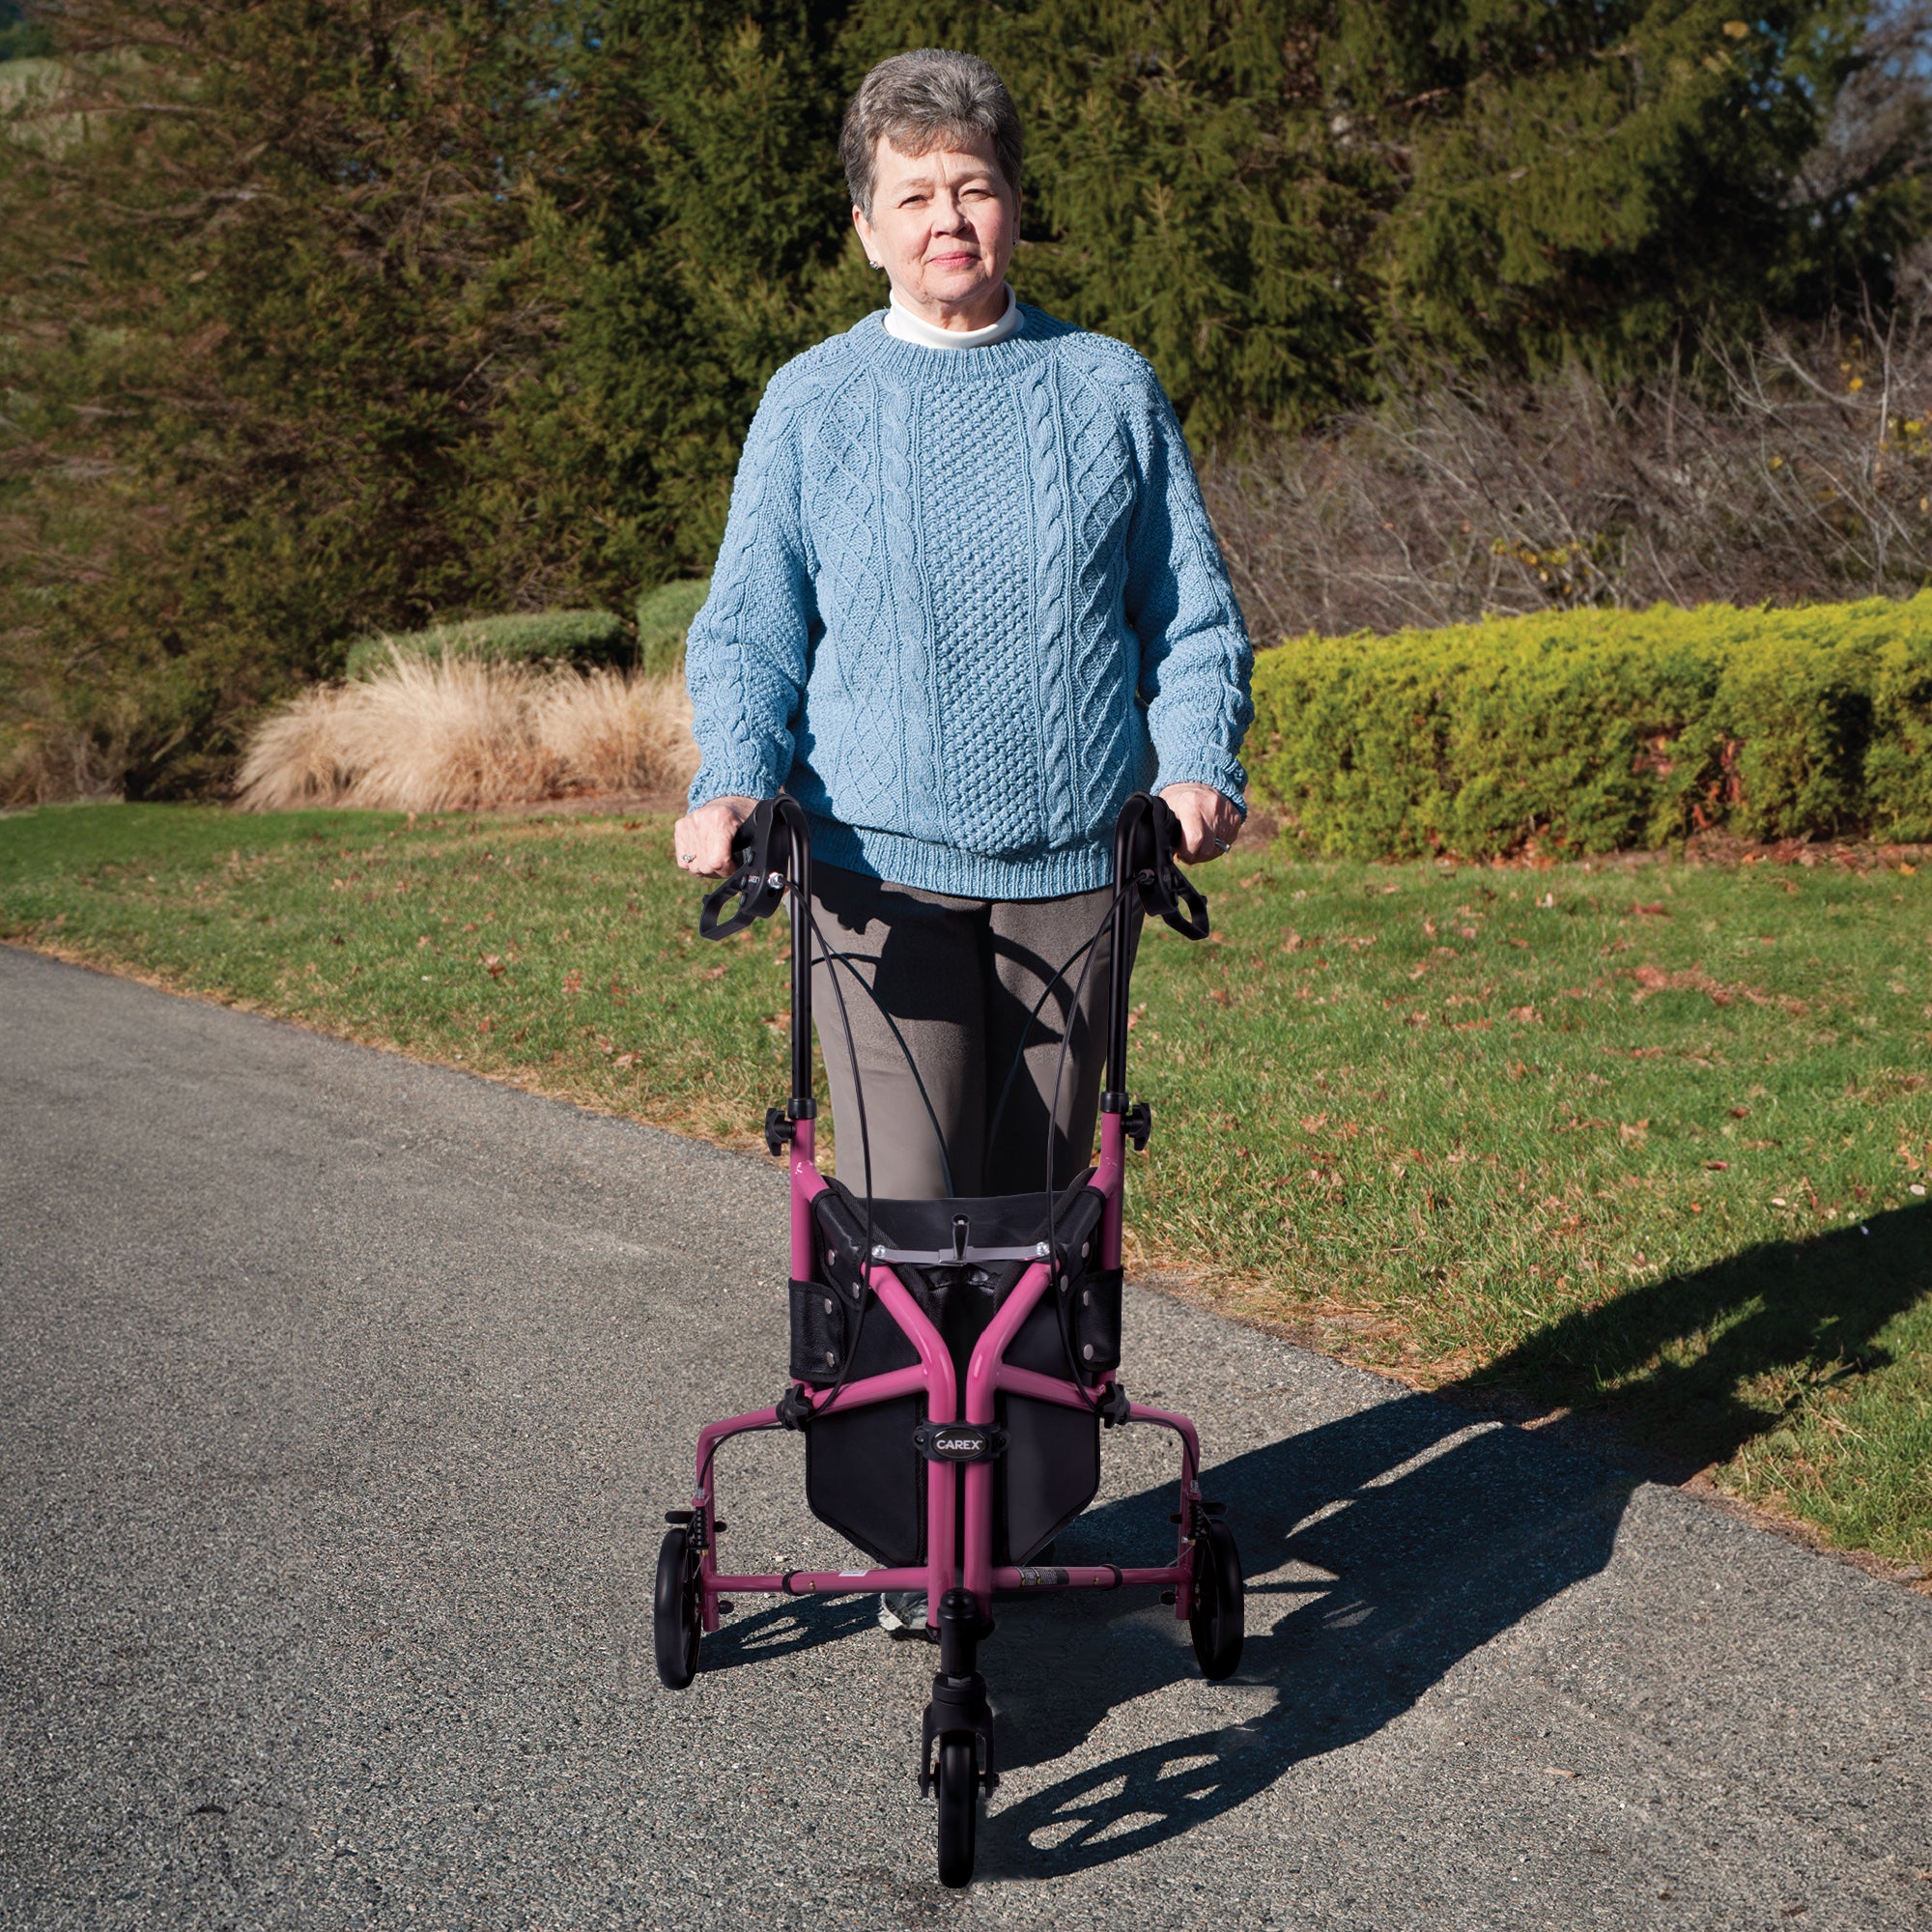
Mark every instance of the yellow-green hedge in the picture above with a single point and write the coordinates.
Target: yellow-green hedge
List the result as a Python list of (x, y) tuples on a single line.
[(1601, 730)]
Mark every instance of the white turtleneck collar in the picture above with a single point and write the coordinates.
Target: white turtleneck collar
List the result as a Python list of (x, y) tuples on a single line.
[(902, 323)]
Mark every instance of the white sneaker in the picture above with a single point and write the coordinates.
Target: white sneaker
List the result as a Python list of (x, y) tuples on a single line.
[(902, 1612)]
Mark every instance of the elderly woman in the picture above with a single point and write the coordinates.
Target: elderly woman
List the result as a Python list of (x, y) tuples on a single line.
[(968, 600)]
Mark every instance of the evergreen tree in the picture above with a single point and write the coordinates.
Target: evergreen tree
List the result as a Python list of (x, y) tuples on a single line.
[(21, 39), (269, 276)]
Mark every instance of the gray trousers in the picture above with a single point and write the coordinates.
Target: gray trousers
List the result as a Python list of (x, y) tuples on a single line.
[(960, 979)]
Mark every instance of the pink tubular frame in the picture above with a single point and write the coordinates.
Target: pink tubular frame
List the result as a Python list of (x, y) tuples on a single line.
[(951, 1486)]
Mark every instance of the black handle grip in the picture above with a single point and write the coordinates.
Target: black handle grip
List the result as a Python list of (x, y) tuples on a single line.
[(1166, 890), (761, 845)]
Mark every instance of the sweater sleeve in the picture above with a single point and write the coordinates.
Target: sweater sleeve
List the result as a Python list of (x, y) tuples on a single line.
[(1196, 662), (749, 651)]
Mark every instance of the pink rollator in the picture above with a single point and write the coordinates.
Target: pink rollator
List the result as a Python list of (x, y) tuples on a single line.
[(953, 1364)]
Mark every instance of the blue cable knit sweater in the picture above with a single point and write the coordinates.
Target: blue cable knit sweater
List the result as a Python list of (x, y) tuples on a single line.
[(967, 601)]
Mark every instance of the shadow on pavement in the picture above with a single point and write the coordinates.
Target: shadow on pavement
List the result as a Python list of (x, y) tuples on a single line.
[(784, 1629), (1382, 1549)]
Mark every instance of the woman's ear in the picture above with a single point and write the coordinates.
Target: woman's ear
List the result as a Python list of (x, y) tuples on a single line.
[(866, 240)]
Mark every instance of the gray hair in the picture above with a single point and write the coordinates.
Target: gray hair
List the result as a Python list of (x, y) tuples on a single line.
[(919, 100)]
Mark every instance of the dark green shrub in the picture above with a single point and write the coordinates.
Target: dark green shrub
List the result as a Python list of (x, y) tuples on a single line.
[(586, 636), (664, 616), (1600, 730)]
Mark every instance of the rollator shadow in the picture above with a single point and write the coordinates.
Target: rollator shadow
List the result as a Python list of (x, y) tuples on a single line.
[(806, 1623), (1381, 1549), (1405, 1570)]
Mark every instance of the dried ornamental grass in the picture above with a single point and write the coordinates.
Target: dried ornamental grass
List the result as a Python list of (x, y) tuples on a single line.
[(438, 735)]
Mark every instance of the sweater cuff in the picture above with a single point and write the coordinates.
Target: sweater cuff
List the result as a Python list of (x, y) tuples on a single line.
[(710, 784), (1206, 765)]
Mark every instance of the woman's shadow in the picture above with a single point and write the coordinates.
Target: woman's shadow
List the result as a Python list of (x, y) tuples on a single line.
[(1383, 1547)]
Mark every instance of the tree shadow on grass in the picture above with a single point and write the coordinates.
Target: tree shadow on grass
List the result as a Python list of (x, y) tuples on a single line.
[(1385, 1546)]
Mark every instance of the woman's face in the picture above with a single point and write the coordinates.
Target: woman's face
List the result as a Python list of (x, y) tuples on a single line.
[(942, 227)]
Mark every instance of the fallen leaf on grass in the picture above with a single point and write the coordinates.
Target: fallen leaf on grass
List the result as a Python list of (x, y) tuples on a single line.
[(626, 1059), (492, 965), (1695, 980), (572, 981), (1525, 1015), (1718, 1166), (711, 972)]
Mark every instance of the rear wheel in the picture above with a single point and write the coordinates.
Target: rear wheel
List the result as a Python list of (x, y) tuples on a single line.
[(677, 1615), (1217, 1616), (958, 1807)]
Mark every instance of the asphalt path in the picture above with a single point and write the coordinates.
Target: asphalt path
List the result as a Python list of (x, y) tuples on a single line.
[(340, 1402)]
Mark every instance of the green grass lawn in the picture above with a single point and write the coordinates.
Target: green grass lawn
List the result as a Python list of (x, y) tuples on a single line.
[(1650, 1139)]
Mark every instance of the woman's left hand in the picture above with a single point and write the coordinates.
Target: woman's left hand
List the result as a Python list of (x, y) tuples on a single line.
[(1208, 822)]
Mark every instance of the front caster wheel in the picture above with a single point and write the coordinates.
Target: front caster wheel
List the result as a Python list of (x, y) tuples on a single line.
[(678, 1615), (1217, 1616), (959, 1791)]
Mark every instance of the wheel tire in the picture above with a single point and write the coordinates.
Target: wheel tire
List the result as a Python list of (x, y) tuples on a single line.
[(958, 1788), (678, 1616), (1217, 1616)]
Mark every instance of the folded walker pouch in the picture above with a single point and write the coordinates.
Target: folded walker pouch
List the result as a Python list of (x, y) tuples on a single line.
[(817, 1332)]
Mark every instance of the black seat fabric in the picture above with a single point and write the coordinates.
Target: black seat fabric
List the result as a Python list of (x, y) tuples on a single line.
[(863, 1474)]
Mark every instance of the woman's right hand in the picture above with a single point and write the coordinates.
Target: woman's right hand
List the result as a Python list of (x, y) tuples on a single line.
[(701, 840)]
